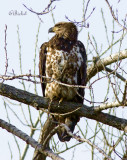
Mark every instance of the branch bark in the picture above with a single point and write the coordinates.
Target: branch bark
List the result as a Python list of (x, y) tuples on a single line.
[(12, 129), (47, 128), (65, 107), (94, 68)]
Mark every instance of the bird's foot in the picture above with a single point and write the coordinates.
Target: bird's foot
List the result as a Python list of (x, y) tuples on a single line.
[(60, 101)]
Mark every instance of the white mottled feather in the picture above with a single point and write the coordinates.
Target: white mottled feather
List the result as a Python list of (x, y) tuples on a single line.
[(64, 66)]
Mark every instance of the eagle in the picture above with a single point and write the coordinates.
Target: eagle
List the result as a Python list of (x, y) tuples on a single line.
[(63, 61)]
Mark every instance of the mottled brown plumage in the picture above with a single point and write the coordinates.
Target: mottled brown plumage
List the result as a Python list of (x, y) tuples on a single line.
[(63, 58)]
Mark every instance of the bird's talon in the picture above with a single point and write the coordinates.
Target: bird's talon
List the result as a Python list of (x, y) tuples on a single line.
[(60, 101)]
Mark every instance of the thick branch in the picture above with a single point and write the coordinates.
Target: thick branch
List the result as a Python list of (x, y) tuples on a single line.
[(12, 129), (44, 133), (94, 68), (65, 107), (106, 106)]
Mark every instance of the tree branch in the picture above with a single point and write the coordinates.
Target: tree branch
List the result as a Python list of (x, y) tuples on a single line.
[(84, 140), (44, 133), (114, 17), (65, 107), (115, 73), (94, 68), (107, 106), (12, 129)]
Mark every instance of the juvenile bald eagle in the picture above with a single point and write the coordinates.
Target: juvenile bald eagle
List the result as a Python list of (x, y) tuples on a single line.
[(63, 59)]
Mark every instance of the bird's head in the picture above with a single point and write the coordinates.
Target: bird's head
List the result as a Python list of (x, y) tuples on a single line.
[(66, 30)]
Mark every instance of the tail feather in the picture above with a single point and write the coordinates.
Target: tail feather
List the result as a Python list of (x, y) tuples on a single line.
[(71, 123)]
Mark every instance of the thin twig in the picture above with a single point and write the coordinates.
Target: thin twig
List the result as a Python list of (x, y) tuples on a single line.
[(5, 48), (6, 77), (115, 73), (124, 100), (45, 11), (29, 140), (114, 16), (38, 13), (80, 23), (84, 140)]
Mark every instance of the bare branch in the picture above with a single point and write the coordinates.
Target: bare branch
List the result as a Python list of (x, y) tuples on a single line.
[(107, 75), (29, 140), (38, 13), (5, 48), (107, 106), (52, 132), (114, 16), (47, 128), (45, 11), (91, 71), (83, 22), (64, 107), (84, 140), (115, 73), (125, 94), (29, 76), (99, 65)]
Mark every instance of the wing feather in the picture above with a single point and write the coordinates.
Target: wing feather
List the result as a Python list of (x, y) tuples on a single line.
[(82, 74), (42, 66)]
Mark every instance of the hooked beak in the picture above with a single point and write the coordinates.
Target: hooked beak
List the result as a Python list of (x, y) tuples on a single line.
[(51, 30)]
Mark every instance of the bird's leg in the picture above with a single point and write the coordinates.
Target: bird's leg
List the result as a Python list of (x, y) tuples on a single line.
[(60, 101), (49, 107)]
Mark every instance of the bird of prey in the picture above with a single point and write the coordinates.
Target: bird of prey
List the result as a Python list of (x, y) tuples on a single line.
[(63, 58)]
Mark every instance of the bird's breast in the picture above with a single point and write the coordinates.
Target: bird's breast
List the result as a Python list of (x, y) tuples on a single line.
[(62, 66)]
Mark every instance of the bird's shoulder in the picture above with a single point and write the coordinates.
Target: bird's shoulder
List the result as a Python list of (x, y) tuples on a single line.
[(82, 49)]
